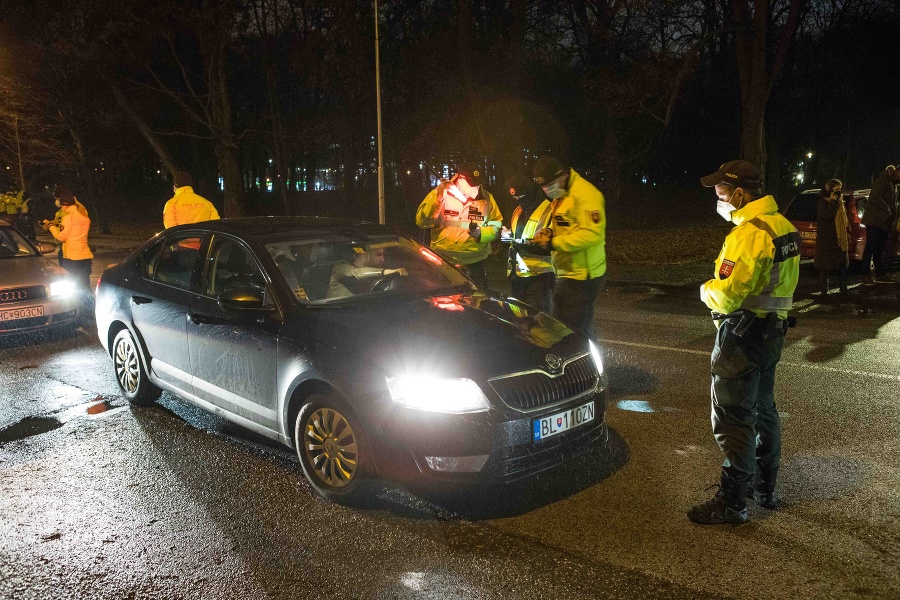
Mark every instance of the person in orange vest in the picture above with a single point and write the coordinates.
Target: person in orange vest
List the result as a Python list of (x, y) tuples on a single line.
[(530, 272), (185, 206)]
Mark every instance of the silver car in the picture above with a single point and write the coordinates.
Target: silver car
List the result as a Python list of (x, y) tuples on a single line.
[(35, 293)]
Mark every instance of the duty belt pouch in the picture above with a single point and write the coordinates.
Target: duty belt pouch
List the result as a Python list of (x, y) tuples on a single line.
[(744, 324)]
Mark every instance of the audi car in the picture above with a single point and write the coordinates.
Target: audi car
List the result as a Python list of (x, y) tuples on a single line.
[(362, 350), (35, 293)]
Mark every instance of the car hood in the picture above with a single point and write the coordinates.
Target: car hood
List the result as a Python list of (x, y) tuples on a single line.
[(28, 270), (468, 335)]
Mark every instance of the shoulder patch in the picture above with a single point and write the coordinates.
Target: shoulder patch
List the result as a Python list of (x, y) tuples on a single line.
[(595, 216), (726, 269)]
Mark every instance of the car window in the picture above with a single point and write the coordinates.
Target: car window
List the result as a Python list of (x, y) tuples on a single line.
[(802, 208), (325, 270), (13, 244), (232, 265), (172, 261)]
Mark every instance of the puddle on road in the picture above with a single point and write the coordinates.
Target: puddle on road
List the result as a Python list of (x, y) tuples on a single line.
[(37, 425), (28, 427)]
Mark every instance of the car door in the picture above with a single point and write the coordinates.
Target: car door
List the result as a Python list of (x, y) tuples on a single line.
[(234, 356), (159, 304)]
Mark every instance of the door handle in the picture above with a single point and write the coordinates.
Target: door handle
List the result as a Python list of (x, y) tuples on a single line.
[(141, 300), (198, 318)]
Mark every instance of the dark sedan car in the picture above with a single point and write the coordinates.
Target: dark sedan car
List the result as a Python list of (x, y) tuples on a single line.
[(359, 348)]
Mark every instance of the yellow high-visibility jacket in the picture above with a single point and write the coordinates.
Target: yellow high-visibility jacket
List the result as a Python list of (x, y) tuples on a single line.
[(449, 219), (187, 207), (759, 264), (579, 231), (73, 233), (523, 263)]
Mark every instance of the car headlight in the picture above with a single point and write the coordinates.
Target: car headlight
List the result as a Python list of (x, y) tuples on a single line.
[(437, 394), (62, 289), (595, 354)]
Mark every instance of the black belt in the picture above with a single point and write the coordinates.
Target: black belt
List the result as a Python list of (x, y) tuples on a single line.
[(769, 326)]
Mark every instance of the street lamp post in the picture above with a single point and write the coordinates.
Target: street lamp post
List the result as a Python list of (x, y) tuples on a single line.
[(378, 111)]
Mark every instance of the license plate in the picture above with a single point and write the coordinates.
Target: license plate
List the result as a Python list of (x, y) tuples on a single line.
[(564, 421), (26, 312), (808, 235)]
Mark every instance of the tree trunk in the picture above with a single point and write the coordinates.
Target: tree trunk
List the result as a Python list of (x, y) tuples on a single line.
[(145, 130)]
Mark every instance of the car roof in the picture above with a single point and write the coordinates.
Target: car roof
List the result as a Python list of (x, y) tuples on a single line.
[(272, 228)]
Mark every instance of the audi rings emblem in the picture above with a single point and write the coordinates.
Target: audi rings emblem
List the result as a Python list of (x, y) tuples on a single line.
[(553, 361), (14, 295)]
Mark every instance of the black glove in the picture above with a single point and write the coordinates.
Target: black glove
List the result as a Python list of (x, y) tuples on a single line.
[(475, 231)]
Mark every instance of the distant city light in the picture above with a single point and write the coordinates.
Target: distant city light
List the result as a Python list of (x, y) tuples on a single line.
[(809, 155)]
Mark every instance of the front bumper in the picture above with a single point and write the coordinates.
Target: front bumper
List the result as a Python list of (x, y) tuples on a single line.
[(504, 438), (58, 312)]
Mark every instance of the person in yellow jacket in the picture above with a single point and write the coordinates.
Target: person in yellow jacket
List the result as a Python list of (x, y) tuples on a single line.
[(73, 233), (59, 191), (464, 219), (530, 273), (185, 206), (750, 295), (576, 238)]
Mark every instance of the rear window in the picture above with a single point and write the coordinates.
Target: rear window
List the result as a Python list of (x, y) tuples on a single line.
[(802, 208)]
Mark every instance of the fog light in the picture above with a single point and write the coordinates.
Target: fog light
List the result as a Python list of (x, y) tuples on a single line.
[(457, 464)]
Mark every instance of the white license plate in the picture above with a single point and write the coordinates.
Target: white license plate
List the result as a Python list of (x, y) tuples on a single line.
[(564, 421), (808, 235), (26, 312)]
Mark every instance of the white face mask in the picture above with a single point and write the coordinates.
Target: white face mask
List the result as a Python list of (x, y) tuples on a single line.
[(555, 189), (724, 209), (468, 191)]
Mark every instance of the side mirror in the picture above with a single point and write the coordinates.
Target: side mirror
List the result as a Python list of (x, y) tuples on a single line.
[(243, 298), (45, 248)]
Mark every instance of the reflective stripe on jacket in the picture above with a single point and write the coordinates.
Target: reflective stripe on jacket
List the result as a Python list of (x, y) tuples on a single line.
[(187, 207), (524, 264), (579, 231), (759, 265), (449, 219)]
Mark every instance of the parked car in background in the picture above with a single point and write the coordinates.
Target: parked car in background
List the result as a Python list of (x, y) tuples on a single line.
[(35, 293), (801, 211), (359, 348)]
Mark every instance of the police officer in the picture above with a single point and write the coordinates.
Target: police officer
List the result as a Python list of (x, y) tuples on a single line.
[(186, 206), (464, 220), (530, 274), (576, 238), (756, 274)]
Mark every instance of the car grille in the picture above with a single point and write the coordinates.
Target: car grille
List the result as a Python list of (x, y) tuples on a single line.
[(23, 294), (537, 389)]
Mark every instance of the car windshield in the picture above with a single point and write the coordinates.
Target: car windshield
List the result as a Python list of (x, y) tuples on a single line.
[(321, 271), (13, 244), (803, 208)]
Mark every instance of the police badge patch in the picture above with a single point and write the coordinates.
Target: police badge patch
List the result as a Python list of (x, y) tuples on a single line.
[(726, 269), (595, 216)]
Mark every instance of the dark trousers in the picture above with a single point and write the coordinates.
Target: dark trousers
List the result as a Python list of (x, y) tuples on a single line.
[(745, 420), (534, 291), (477, 273), (573, 303), (824, 274), (876, 239)]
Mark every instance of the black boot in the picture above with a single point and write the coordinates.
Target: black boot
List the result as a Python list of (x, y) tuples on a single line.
[(729, 505), (763, 488)]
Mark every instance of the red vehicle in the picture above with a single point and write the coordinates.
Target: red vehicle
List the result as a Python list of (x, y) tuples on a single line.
[(801, 211)]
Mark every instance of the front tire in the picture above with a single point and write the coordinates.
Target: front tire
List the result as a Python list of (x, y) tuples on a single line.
[(333, 450), (131, 374)]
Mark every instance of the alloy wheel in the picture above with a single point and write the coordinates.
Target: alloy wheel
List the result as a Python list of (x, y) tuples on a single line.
[(331, 447), (128, 370)]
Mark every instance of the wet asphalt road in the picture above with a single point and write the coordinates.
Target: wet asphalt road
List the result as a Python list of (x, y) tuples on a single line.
[(100, 500)]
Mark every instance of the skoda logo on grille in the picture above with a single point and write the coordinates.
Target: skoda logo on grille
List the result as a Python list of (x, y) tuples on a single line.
[(16, 295), (553, 361)]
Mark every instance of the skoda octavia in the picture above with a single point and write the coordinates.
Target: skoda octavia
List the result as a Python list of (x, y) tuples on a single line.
[(357, 347)]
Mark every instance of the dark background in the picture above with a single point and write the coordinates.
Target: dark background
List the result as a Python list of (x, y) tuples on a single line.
[(278, 97)]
